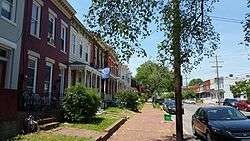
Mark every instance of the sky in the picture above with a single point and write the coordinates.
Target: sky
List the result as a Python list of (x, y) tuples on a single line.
[(235, 57)]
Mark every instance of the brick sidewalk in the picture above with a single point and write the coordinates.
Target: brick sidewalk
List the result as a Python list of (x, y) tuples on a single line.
[(146, 126)]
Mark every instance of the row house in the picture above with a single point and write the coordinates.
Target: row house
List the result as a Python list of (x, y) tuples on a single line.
[(112, 62), (11, 24), (86, 57), (125, 75), (45, 48)]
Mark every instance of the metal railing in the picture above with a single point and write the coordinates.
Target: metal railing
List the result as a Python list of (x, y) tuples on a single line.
[(38, 102)]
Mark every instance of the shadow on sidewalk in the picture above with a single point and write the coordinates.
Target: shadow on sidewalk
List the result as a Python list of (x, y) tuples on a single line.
[(173, 138)]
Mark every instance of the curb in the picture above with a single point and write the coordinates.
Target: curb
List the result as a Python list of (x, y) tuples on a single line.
[(112, 129)]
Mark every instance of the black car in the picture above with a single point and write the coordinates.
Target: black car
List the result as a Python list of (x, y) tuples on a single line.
[(230, 102), (221, 123), (169, 106)]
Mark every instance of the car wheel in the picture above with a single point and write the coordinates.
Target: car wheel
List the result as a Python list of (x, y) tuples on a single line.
[(209, 137)]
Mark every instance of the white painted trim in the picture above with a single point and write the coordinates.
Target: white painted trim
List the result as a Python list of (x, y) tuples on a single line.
[(40, 2), (62, 65), (8, 43), (34, 54), (52, 13), (50, 80), (64, 23), (35, 73), (47, 59)]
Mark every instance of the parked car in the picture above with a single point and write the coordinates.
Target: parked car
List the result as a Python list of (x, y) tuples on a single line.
[(190, 101), (221, 123), (230, 102), (169, 106), (243, 105)]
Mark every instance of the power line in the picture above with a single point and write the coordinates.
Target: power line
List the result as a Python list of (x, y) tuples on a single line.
[(225, 19)]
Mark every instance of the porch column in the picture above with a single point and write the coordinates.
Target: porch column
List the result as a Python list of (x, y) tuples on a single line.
[(69, 77), (91, 79)]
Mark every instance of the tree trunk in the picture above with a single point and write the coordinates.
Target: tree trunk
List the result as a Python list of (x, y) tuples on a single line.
[(176, 47)]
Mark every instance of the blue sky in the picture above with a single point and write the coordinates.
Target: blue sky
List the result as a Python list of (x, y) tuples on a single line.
[(234, 56)]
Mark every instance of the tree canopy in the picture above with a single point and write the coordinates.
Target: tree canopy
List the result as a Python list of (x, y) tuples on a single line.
[(197, 81), (155, 77), (247, 26), (124, 23), (241, 87)]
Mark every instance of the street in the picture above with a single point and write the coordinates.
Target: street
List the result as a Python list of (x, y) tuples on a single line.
[(189, 110)]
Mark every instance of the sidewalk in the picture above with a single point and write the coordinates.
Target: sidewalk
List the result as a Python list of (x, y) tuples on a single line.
[(146, 126)]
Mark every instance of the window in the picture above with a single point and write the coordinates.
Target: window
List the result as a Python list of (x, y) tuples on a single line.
[(32, 72), (86, 51), (96, 54), (74, 43), (51, 28), (63, 38), (8, 9), (103, 61), (100, 59), (81, 54), (35, 19), (62, 79), (48, 79), (3, 67)]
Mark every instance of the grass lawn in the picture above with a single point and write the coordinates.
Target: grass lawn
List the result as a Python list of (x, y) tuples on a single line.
[(103, 121), (42, 136)]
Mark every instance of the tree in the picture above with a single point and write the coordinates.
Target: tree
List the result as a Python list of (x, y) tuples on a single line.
[(155, 77), (241, 87), (187, 94), (247, 26), (197, 81), (186, 25)]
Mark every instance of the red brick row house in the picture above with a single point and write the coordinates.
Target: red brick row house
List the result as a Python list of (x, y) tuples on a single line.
[(45, 48)]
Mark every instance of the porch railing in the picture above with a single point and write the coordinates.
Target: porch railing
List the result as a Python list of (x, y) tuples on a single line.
[(38, 102)]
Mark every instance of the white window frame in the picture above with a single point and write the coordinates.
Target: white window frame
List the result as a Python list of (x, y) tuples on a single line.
[(62, 81), (86, 51), (74, 43), (51, 76), (52, 16), (63, 36), (13, 13), (37, 34), (81, 47), (35, 73), (96, 55)]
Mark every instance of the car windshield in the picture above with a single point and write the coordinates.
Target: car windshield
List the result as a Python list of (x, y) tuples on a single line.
[(225, 114), (232, 100)]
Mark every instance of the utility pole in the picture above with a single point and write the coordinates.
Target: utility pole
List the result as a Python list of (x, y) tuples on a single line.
[(217, 66)]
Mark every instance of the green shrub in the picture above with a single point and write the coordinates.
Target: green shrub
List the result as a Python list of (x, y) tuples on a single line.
[(129, 100), (80, 103)]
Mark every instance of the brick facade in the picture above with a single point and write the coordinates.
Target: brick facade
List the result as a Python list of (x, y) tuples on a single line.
[(41, 47)]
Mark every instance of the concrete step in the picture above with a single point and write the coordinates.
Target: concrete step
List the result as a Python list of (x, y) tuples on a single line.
[(46, 120), (49, 126)]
